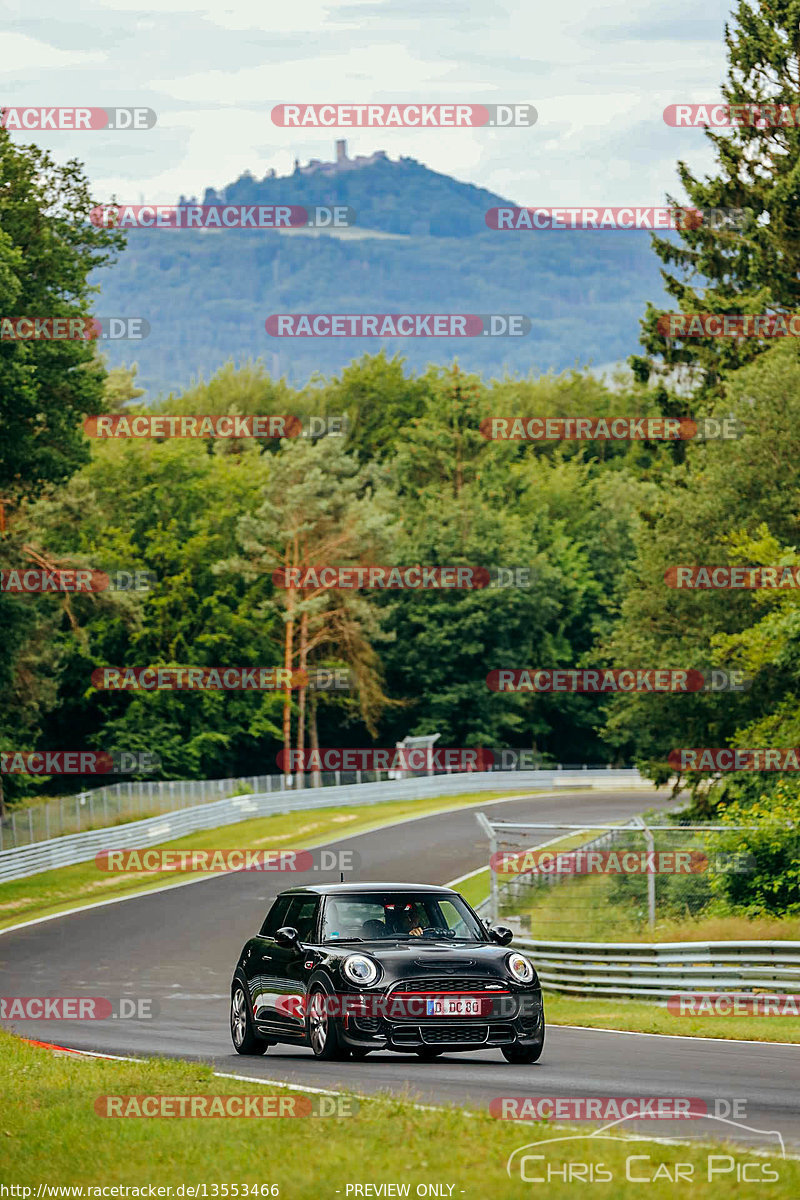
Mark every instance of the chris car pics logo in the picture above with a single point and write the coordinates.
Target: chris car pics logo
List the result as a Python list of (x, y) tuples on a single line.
[(579, 1158)]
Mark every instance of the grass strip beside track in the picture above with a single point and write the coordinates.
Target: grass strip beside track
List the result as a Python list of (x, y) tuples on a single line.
[(51, 1134), (640, 1016)]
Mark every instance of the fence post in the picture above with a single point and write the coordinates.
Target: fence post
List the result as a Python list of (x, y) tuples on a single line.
[(46, 822), (493, 894), (338, 777), (14, 827), (651, 876)]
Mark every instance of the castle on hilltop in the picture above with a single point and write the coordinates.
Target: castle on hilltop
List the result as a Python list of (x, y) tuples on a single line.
[(341, 163), (315, 167)]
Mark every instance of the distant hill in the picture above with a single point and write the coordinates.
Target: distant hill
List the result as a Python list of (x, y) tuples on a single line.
[(396, 197), (207, 294)]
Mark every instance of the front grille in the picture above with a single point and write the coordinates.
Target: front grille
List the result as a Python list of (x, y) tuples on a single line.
[(449, 983), (407, 1035), (462, 1034)]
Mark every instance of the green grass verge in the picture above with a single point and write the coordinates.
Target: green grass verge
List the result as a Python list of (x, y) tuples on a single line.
[(640, 1016), (51, 1134), (54, 891), (583, 910)]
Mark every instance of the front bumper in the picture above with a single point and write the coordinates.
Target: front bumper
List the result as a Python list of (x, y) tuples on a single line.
[(515, 1018)]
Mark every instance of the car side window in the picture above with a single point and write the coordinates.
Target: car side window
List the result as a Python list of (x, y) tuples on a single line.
[(274, 918), (302, 915), (449, 917)]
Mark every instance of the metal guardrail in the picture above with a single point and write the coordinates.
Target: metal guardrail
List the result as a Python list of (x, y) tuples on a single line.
[(132, 800), (80, 847), (659, 970)]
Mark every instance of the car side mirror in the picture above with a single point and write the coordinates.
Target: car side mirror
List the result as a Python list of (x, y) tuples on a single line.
[(287, 936), (501, 935)]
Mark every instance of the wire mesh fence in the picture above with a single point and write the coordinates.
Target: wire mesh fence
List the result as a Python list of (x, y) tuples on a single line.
[(608, 883), (134, 800)]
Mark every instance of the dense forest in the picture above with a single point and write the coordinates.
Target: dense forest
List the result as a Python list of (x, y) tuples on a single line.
[(410, 479)]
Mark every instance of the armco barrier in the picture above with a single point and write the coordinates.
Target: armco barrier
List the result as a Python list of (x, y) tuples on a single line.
[(80, 847), (658, 970)]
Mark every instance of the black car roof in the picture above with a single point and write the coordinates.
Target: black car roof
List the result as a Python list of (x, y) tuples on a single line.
[(339, 889)]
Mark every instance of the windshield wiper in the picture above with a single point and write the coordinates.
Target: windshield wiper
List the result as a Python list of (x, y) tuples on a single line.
[(333, 941)]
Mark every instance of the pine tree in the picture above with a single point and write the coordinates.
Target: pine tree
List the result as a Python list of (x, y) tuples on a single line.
[(754, 267)]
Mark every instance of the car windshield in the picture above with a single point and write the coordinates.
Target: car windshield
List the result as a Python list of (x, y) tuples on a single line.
[(375, 916)]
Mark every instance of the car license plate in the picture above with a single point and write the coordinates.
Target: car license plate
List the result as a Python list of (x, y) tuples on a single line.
[(452, 1006)]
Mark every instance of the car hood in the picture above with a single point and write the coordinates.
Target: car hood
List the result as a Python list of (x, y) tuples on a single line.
[(408, 960)]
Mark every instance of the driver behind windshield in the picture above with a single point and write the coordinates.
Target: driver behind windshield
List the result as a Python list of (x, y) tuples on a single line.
[(406, 919)]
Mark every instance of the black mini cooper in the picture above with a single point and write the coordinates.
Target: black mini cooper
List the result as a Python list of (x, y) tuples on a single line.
[(349, 968)]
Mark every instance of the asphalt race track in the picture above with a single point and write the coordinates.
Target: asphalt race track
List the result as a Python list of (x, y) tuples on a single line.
[(179, 947)]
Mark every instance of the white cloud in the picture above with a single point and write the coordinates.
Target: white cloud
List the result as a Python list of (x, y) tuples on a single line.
[(18, 53)]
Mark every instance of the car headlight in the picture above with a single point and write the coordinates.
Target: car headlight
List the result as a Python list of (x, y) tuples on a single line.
[(520, 968), (360, 969)]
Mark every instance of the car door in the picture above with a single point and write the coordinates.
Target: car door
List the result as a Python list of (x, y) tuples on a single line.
[(261, 965), (291, 966)]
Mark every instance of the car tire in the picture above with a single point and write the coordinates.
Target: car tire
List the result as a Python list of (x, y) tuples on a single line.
[(525, 1054), (323, 1034), (245, 1040), (428, 1052)]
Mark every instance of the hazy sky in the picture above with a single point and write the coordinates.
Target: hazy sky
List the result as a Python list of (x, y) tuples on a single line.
[(600, 76)]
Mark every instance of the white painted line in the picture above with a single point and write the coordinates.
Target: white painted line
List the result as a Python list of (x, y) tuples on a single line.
[(683, 1037), (295, 1087)]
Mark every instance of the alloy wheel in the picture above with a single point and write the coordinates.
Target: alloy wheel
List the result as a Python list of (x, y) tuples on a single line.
[(238, 1017), (318, 1023)]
